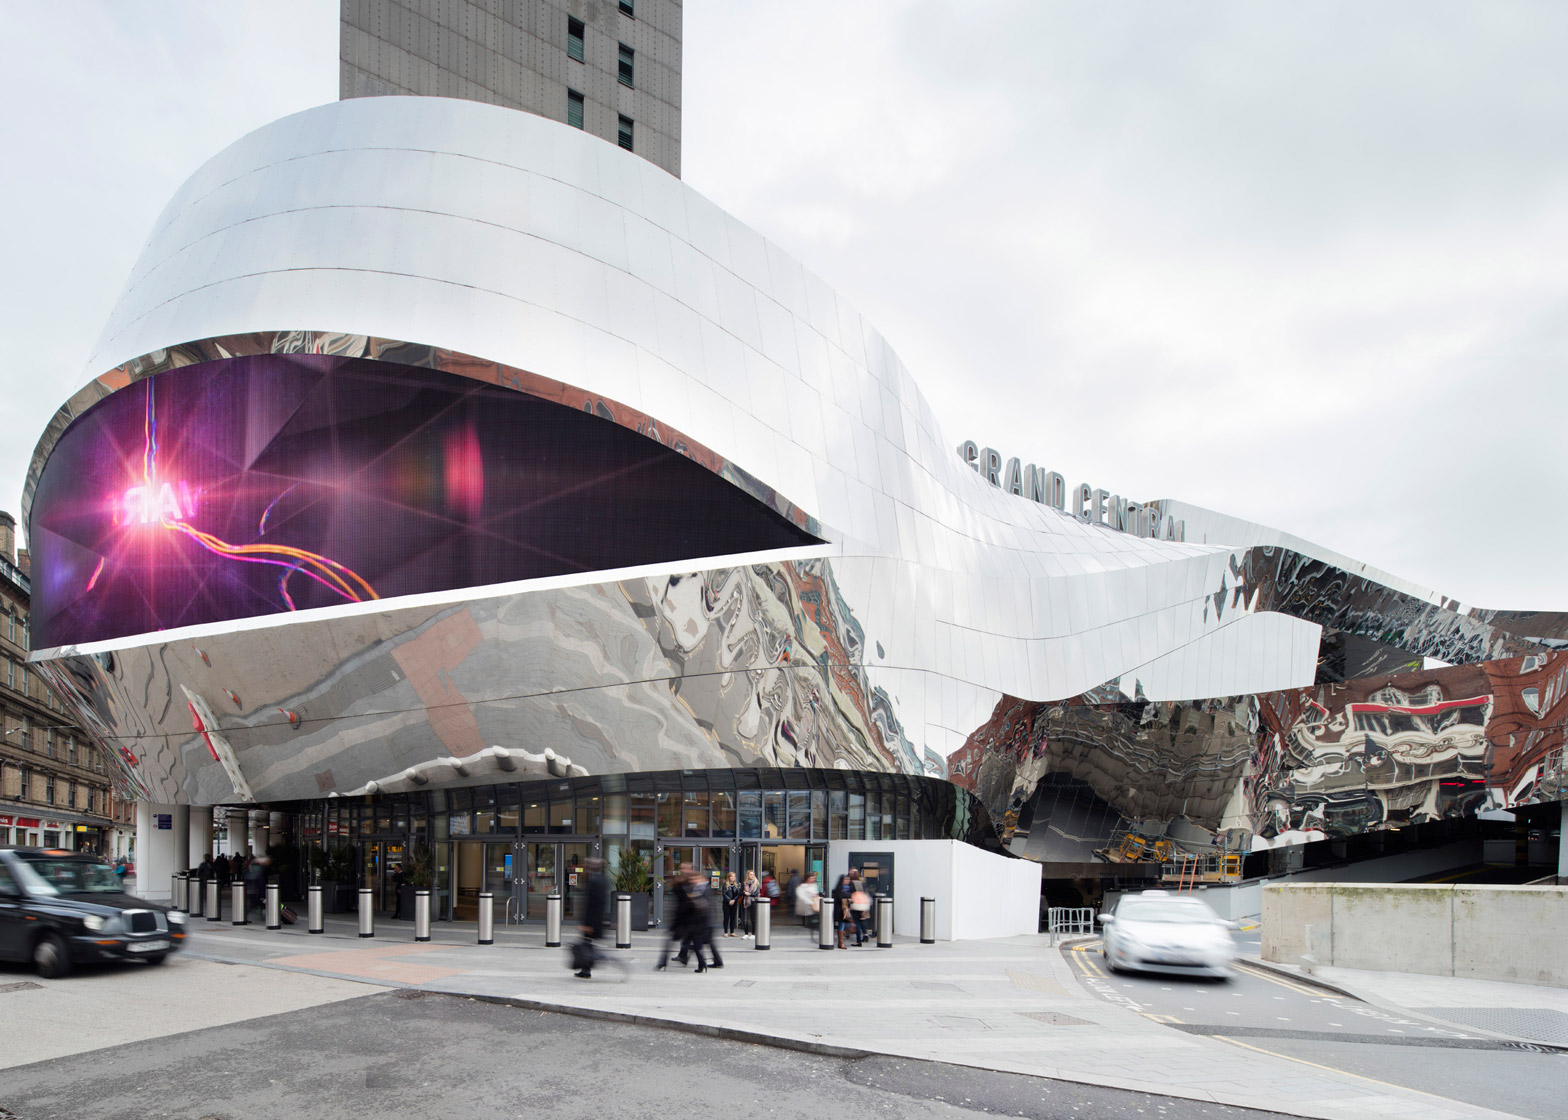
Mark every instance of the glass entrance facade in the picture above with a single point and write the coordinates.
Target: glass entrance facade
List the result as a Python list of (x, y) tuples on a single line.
[(522, 841)]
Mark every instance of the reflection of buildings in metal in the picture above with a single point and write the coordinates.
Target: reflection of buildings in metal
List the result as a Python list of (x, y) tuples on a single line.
[(1333, 760), (933, 601), (716, 669)]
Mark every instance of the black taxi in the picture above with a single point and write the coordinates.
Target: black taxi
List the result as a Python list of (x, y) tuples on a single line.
[(59, 908)]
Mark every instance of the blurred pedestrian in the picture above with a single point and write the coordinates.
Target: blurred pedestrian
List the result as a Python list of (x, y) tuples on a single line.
[(255, 883), (843, 893), (220, 868), (596, 899), (808, 899), (683, 922), (859, 905), (702, 920), (731, 904)]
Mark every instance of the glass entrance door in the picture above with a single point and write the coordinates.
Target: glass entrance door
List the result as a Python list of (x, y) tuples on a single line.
[(541, 876), (574, 865)]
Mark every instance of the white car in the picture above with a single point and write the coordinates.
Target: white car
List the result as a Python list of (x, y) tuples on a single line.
[(1160, 932)]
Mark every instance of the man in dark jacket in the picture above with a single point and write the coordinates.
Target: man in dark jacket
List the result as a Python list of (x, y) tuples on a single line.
[(596, 899)]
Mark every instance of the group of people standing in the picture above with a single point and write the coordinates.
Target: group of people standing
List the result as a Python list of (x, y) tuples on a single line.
[(247, 869), (697, 909)]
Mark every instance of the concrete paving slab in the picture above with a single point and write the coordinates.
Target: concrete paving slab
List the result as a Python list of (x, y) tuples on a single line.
[(963, 1003)]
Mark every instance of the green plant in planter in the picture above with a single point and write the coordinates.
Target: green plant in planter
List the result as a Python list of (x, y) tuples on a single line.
[(419, 866), (632, 873), (340, 864)]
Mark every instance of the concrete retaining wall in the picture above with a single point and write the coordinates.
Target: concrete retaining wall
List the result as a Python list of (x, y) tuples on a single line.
[(1440, 929)]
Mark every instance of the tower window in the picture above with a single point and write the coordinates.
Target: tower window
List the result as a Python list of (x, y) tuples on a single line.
[(627, 8), (574, 108), (625, 133), (628, 56), (574, 38)]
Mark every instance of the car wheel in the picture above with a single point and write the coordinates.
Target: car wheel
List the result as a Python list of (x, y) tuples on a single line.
[(156, 958), (51, 957)]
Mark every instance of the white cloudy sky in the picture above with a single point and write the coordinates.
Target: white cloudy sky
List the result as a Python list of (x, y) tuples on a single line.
[(1307, 264)]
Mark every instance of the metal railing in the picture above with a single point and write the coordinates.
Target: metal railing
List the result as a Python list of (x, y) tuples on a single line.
[(1069, 921), (513, 905)]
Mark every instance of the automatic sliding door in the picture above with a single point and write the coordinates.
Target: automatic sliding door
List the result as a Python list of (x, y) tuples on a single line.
[(542, 879)]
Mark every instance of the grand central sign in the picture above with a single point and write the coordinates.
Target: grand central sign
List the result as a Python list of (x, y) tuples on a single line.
[(1090, 504)]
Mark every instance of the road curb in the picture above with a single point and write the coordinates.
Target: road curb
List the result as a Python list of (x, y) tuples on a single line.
[(1288, 973)]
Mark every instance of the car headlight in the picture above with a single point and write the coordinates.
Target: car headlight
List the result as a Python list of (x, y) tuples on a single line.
[(176, 918), (93, 922)]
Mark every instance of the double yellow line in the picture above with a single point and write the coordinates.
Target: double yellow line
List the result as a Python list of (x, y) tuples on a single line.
[(1088, 958), (1283, 982)]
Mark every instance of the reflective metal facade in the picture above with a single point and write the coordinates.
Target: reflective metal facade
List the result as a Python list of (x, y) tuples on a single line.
[(945, 627)]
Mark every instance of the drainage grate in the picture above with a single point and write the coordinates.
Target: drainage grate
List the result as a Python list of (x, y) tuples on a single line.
[(22, 987), (1539, 1023), (744, 983), (934, 986), (1055, 1019)]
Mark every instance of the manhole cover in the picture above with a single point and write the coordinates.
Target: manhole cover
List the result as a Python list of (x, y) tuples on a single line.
[(1054, 1019), (21, 987), (961, 1023)]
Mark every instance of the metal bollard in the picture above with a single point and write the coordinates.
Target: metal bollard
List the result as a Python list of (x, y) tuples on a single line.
[(193, 896), (274, 905), (487, 917), (764, 935), (928, 921), (177, 889), (884, 921), (623, 921), (825, 923), (238, 910), (214, 902), (313, 898), (367, 913), (552, 920), (422, 914)]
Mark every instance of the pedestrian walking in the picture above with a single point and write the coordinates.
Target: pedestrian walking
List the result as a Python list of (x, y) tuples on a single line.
[(731, 904), (702, 922), (859, 906), (256, 883), (843, 916), (220, 868), (808, 900), (596, 899), (750, 892)]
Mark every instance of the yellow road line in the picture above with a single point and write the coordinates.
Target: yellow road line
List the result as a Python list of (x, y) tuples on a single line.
[(1331, 1069), (1159, 1018), (1265, 974), (1090, 966)]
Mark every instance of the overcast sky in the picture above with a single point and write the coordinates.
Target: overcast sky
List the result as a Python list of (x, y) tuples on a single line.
[(1306, 264)]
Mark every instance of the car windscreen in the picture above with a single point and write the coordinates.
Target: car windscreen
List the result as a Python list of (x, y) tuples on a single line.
[(76, 876), (31, 881), (1150, 910)]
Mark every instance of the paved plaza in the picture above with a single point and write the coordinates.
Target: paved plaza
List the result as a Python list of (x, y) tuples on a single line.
[(1016, 1005)]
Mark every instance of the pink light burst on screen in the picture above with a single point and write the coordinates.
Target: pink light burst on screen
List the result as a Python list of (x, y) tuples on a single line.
[(163, 504)]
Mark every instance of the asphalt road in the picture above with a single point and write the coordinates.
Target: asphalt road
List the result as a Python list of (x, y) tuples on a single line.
[(1302, 1023), (391, 1056)]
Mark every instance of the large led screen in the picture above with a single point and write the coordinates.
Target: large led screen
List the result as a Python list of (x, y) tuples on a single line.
[(259, 485)]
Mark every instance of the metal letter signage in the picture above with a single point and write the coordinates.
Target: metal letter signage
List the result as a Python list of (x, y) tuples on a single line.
[(1090, 504)]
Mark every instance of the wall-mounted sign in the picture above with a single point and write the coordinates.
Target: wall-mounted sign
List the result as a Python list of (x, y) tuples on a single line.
[(1089, 504), (165, 822)]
